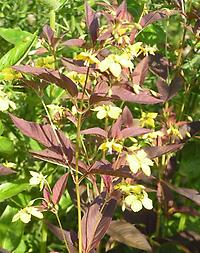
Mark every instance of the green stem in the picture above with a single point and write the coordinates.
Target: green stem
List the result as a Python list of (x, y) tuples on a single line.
[(52, 19), (61, 228), (43, 243)]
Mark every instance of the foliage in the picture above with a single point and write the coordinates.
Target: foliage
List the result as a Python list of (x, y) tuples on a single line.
[(101, 156)]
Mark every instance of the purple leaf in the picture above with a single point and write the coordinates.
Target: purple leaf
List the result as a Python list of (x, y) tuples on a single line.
[(159, 65), (4, 171), (91, 22), (128, 234), (192, 127), (156, 151), (95, 131), (59, 188), (122, 13), (76, 66), (191, 194), (74, 43), (70, 236), (46, 194), (155, 16), (127, 118), (115, 131), (141, 98), (133, 131), (45, 135), (51, 76), (140, 71), (48, 34), (95, 221)]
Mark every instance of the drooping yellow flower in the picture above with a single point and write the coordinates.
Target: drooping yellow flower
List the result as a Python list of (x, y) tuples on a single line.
[(45, 62), (149, 50), (147, 119), (77, 77), (135, 197), (135, 49), (104, 111), (9, 74), (174, 131), (110, 146), (25, 214), (88, 57), (5, 102), (139, 160), (114, 63), (37, 179)]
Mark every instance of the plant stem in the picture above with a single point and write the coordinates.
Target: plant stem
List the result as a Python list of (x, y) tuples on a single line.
[(52, 19), (43, 243), (63, 235), (78, 138)]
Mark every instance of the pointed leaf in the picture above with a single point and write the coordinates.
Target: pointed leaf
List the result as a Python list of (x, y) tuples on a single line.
[(140, 71), (18, 53), (95, 131), (156, 151), (128, 234), (70, 236), (59, 188), (13, 35), (95, 222), (4, 171), (91, 22), (74, 43), (133, 131)]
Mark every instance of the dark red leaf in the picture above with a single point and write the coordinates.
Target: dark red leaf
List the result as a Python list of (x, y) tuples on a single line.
[(4, 171), (122, 13), (156, 151), (95, 221), (91, 22), (76, 66), (95, 131), (140, 71), (59, 188), (128, 234), (133, 131), (45, 135), (141, 98), (115, 131), (159, 65), (127, 118), (155, 16), (74, 43), (51, 76), (191, 194), (70, 236), (48, 34)]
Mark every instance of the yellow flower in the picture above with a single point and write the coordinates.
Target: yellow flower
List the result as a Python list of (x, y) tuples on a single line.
[(45, 62), (77, 77), (135, 49), (114, 63), (139, 160), (5, 102), (25, 214), (88, 57), (149, 50), (105, 111), (147, 119), (136, 197), (37, 178), (110, 146), (173, 130), (8, 74)]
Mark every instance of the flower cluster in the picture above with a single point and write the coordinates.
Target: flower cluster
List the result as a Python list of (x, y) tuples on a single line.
[(110, 146), (25, 214), (104, 111), (37, 179)]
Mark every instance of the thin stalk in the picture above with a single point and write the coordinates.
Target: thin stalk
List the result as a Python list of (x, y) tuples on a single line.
[(52, 19), (43, 243), (61, 228)]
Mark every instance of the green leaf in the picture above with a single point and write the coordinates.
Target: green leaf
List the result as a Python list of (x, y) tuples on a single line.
[(13, 36), (6, 146), (18, 53), (10, 232), (8, 190)]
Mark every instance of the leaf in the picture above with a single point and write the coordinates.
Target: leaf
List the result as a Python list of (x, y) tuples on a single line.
[(140, 71), (133, 131), (75, 65), (8, 190), (159, 65), (127, 117), (59, 188), (10, 232), (74, 43), (18, 53), (95, 131), (70, 236), (96, 222), (191, 194), (4, 171), (51, 76), (141, 98), (13, 35), (155, 16), (122, 13), (168, 92), (6, 146), (91, 22), (128, 234), (156, 151)]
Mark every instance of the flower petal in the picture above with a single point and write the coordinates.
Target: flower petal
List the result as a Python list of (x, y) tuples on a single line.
[(136, 206)]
